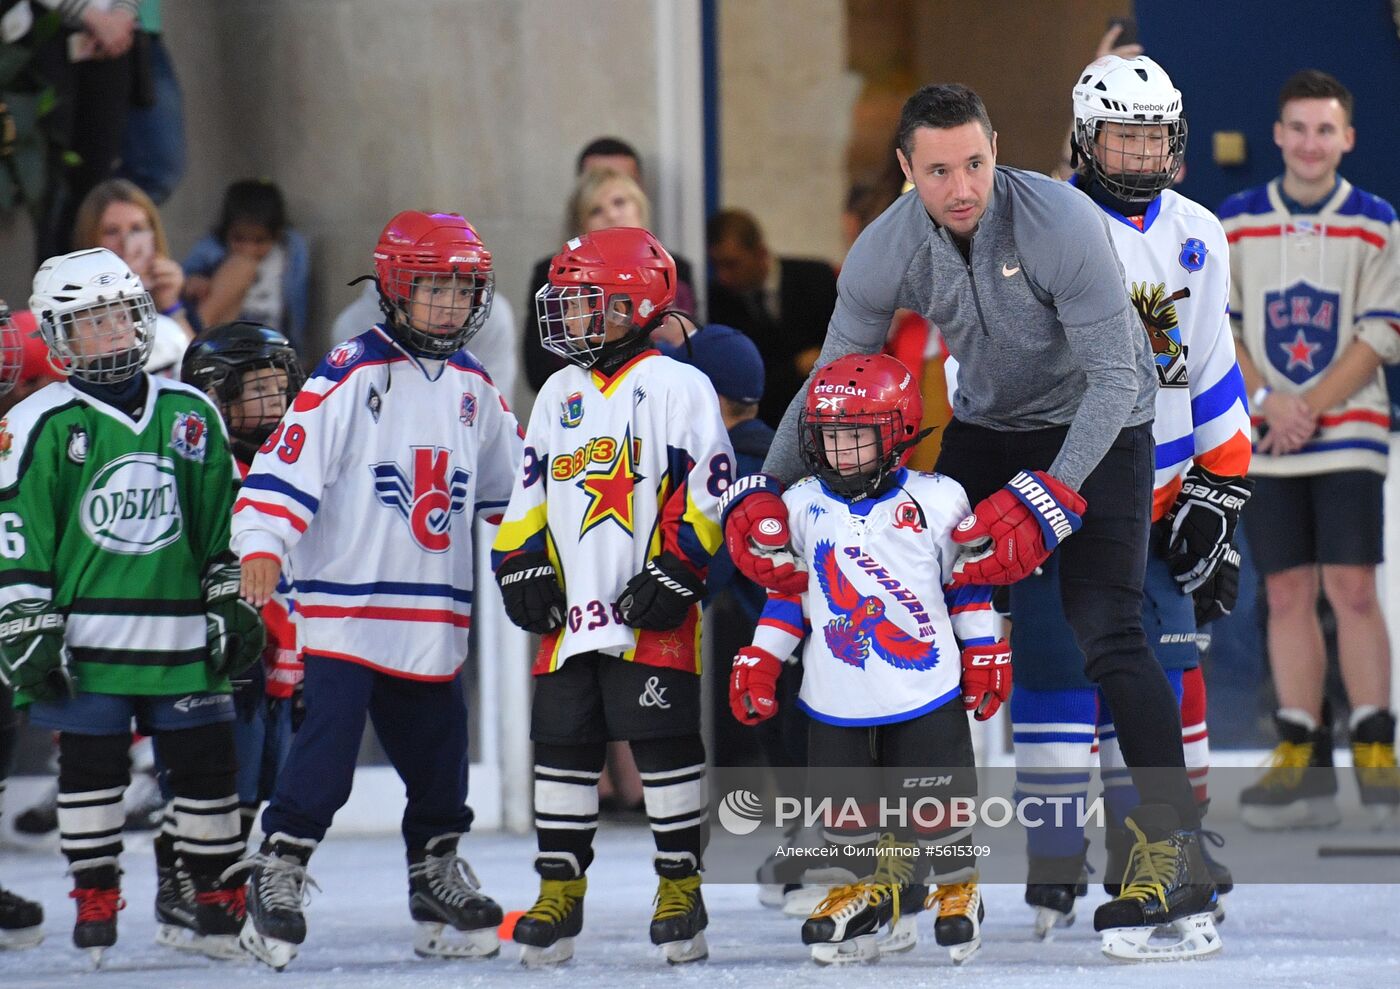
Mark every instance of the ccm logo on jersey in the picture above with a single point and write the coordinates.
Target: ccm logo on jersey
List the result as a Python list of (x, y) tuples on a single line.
[(426, 498), (1043, 503)]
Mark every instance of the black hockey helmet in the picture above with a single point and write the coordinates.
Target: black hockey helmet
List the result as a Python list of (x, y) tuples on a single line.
[(217, 363)]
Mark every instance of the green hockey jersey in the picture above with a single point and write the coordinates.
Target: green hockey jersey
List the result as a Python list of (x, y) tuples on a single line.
[(112, 522)]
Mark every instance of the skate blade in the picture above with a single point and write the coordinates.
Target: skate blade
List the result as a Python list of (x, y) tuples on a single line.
[(1048, 919), (857, 951), (271, 952), (1196, 937), (962, 953), (1314, 813), (802, 902), (683, 952), (220, 947), (555, 954), (429, 941), (903, 936), (96, 955), (21, 938), (771, 896), (1383, 817)]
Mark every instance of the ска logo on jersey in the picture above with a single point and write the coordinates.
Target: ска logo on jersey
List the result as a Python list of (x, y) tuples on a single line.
[(427, 496)]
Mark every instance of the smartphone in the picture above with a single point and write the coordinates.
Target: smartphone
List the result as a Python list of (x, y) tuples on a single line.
[(1128, 36)]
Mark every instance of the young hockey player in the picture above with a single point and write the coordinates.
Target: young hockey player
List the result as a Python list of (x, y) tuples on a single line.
[(118, 595), (603, 551), (252, 374), (1176, 265), (367, 491), (880, 684), (21, 920)]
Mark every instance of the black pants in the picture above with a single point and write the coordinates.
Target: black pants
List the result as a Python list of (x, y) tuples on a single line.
[(1101, 574)]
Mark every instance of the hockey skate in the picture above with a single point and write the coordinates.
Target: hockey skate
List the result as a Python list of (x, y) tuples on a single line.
[(1051, 896), (1300, 788), (547, 930), (845, 928), (779, 874), (960, 913), (99, 898), (679, 921), (176, 926), (277, 889), (1373, 759), (1165, 906), (443, 893), (804, 898), (21, 922)]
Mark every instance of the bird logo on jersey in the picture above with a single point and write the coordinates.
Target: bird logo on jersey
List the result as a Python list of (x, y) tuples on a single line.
[(861, 625), (609, 489), (1157, 310), (1300, 330), (426, 499)]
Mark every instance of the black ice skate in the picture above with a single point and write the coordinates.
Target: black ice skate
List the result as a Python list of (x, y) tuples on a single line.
[(1166, 885), (1052, 886), (443, 892), (275, 925), (99, 898), (960, 913), (1373, 756), (1300, 788), (21, 922), (845, 926), (1219, 873), (176, 926), (679, 921), (220, 912), (547, 930)]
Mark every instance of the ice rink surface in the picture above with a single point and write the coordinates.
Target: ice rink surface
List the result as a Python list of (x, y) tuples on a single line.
[(360, 935)]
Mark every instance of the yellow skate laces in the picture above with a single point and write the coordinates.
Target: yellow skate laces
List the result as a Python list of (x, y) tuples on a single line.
[(1286, 765), (1151, 865), (1375, 764), (953, 899), (675, 896), (557, 898)]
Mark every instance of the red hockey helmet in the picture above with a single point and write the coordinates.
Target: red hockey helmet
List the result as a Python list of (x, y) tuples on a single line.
[(11, 351), (617, 282), (859, 423), (435, 281)]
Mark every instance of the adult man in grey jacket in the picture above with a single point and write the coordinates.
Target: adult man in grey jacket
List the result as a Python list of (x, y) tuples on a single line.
[(1055, 393)]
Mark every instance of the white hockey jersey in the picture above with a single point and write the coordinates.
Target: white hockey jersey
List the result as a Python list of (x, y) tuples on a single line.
[(1305, 286), (617, 471), (886, 632), (369, 487), (1177, 267)]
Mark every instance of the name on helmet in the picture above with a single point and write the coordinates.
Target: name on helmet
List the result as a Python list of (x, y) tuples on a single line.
[(838, 390)]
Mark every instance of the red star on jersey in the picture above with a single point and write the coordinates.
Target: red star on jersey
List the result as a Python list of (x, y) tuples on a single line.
[(610, 490), (1300, 351), (671, 645)]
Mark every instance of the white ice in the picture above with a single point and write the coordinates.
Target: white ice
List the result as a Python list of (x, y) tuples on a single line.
[(360, 935)]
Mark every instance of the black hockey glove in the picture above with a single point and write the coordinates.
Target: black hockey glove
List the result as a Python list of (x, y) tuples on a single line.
[(1216, 598), (234, 628), (1201, 525), (33, 656), (530, 588), (659, 598)]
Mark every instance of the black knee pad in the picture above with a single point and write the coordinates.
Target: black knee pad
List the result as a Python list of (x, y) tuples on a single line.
[(93, 762), (200, 761), (657, 755)]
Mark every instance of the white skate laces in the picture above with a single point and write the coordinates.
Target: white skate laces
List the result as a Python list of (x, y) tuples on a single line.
[(450, 878), (282, 881)]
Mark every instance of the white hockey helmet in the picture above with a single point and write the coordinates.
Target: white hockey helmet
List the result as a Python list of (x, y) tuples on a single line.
[(1132, 93), (95, 315)]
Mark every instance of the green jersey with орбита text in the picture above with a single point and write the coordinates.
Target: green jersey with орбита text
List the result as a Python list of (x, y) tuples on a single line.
[(113, 522)]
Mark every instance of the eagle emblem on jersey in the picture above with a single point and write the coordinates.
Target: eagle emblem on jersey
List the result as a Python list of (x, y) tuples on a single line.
[(1157, 310), (861, 625), (1193, 254), (1300, 330), (609, 488), (189, 435), (427, 497)]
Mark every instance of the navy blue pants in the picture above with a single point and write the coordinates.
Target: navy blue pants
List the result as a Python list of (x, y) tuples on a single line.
[(422, 727)]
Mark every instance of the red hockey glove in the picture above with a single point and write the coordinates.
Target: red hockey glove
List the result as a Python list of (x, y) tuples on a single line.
[(986, 678), (755, 524), (1015, 530), (753, 685)]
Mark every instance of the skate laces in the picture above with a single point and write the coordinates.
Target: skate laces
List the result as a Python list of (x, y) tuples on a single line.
[(1286, 765), (557, 897), (1151, 866), (953, 899), (450, 878), (97, 905), (675, 896), (282, 881), (234, 901), (1375, 763)]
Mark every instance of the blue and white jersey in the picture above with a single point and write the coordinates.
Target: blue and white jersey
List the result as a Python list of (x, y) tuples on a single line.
[(887, 632), (369, 488)]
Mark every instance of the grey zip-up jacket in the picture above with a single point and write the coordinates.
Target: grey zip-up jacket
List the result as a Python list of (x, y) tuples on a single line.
[(1039, 318)]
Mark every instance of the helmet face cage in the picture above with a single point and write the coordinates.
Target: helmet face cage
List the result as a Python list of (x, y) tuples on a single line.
[(867, 442), (1145, 160), (11, 351), (104, 342), (254, 396), (436, 310), (574, 321)]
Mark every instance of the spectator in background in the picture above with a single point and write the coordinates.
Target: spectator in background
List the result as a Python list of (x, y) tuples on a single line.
[(252, 265), (120, 217), (781, 304), (610, 152), (153, 146), (601, 198), (1315, 307)]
